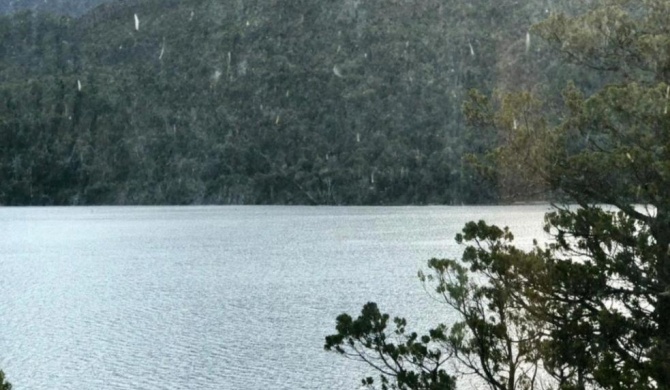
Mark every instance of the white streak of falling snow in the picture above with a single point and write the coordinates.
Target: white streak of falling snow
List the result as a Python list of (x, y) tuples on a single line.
[(337, 72), (160, 56), (78, 85), (472, 49), (137, 23), (527, 42)]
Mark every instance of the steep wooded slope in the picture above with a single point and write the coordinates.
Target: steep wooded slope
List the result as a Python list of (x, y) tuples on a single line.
[(203, 101)]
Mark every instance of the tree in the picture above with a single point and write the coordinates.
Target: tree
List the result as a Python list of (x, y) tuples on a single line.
[(405, 361), (251, 102), (4, 385), (597, 296), (608, 270), (495, 338)]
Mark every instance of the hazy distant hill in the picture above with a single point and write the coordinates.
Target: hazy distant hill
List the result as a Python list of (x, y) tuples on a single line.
[(60, 7)]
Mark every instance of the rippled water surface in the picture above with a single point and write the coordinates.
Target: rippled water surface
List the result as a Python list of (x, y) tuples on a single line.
[(212, 297)]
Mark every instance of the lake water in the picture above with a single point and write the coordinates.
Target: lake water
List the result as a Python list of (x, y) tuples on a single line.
[(149, 298)]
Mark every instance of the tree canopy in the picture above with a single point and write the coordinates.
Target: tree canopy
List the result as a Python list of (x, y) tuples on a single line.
[(591, 308), (4, 385), (296, 102)]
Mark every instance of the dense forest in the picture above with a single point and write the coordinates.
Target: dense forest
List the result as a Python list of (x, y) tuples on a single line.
[(260, 102), (59, 7), (587, 306)]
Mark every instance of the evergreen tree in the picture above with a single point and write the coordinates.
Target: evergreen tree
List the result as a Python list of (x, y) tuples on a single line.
[(596, 298), (253, 102), (4, 385)]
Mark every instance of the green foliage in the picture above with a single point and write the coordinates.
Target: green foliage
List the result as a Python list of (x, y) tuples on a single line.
[(591, 309), (495, 339), (60, 7), (4, 385), (404, 360), (262, 102), (602, 294)]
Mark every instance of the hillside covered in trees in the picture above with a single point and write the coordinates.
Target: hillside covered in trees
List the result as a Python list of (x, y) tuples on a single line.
[(588, 305), (58, 7), (260, 102)]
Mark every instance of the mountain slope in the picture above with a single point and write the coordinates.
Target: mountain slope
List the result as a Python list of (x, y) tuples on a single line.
[(204, 101), (58, 7)]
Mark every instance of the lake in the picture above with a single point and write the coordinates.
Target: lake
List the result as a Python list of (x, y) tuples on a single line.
[(213, 297)]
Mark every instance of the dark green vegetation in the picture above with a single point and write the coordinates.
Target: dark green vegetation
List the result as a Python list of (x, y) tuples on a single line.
[(290, 102), (4, 385), (60, 7), (591, 308)]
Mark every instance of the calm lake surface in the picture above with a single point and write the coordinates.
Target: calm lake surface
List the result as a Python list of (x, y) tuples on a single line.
[(213, 297)]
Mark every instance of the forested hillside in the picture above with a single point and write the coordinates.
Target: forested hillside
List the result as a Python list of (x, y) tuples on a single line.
[(59, 7), (259, 101)]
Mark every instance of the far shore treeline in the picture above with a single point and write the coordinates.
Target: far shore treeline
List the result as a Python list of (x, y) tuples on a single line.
[(261, 102)]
